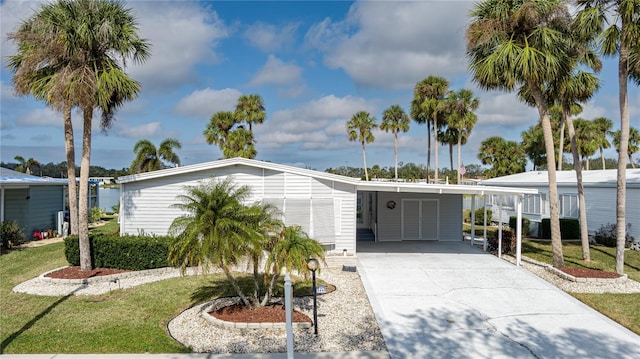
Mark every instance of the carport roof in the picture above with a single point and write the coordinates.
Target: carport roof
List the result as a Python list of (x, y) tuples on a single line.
[(380, 186), (11, 178)]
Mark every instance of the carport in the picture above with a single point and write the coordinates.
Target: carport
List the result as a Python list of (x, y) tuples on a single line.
[(404, 211)]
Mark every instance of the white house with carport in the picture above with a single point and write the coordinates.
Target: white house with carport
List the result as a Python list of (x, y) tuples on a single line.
[(599, 191), (332, 209)]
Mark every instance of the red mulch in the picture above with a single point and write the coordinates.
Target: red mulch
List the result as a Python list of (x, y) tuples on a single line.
[(589, 273), (268, 314), (76, 273)]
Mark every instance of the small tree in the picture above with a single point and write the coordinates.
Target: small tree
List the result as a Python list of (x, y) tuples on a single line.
[(218, 230)]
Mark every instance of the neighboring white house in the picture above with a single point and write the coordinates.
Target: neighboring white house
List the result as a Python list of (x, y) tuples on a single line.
[(599, 191), (332, 209)]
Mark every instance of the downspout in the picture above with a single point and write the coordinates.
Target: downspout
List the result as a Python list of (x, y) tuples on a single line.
[(473, 218), (518, 230)]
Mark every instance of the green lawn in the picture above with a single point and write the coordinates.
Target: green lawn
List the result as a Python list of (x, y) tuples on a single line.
[(623, 308), (124, 321)]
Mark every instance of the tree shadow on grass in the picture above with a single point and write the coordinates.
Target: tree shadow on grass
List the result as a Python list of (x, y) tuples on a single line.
[(35, 319), (440, 333)]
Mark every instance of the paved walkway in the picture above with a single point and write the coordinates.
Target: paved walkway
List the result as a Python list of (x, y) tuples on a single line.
[(349, 355), (450, 300)]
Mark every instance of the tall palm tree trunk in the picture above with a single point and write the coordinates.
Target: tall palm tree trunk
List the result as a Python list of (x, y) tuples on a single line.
[(561, 144), (582, 203), (556, 242), (428, 149), (435, 149), (623, 75), (71, 170), (602, 158), (364, 159), (451, 156), (459, 159), (83, 208), (395, 151)]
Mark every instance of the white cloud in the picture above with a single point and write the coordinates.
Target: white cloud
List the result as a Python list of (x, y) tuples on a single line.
[(201, 104), (7, 93), (269, 38), (12, 14), (41, 138), (395, 44), (498, 108), (40, 117), (277, 72), (148, 130), (182, 35), (314, 125)]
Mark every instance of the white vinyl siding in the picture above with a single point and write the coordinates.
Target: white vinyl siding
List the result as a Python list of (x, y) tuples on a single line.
[(323, 209)]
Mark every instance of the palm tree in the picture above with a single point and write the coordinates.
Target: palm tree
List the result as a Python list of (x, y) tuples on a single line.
[(504, 157), (250, 109), (218, 129), (603, 128), (67, 68), (586, 139), (461, 105), (240, 144), (620, 38), (419, 116), (359, 128), (522, 44), (634, 144), (448, 136), (218, 230), (22, 164), (430, 94), (149, 158), (394, 119)]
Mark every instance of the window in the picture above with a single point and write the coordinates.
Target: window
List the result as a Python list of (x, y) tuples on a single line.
[(569, 205), (532, 204)]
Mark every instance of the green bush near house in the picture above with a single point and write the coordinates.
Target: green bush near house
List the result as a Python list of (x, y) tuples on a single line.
[(569, 228), (480, 216), (126, 252), (525, 224), (11, 234)]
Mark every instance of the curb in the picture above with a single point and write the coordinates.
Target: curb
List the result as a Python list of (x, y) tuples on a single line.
[(105, 278)]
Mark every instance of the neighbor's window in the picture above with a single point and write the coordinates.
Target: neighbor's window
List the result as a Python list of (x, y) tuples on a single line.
[(531, 204), (569, 205)]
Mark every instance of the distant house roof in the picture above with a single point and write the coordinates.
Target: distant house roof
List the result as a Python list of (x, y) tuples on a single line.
[(592, 178), (358, 183), (10, 177)]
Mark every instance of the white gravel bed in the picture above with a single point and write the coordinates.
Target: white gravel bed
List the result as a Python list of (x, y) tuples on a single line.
[(346, 322), (48, 287), (624, 286)]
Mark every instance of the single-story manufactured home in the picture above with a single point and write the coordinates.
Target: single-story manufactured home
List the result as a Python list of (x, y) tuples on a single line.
[(335, 210), (32, 201), (599, 191)]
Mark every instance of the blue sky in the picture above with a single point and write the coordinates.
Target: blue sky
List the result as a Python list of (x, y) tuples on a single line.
[(314, 63)]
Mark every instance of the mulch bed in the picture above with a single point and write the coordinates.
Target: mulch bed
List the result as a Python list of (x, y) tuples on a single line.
[(76, 273), (274, 313), (589, 273)]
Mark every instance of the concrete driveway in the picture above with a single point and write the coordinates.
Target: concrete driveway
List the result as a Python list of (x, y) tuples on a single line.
[(450, 300)]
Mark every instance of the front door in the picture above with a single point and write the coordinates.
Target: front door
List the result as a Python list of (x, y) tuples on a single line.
[(420, 219)]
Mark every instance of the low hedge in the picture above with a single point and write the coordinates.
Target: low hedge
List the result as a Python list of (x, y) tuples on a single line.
[(569, 228), (513, 220), (125, 252)]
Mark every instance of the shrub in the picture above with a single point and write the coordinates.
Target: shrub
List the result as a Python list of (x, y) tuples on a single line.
[(466, 216), (95, 214), (569, 228), (126, 252), (607, 235), (525, 224), (508, 242), (480, 216), (11, 234)]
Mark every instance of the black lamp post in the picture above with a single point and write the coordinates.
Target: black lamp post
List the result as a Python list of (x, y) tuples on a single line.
[(313, 265)]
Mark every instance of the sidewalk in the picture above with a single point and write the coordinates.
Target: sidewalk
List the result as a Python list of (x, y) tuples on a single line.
[(347, 355)]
